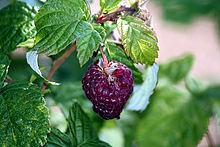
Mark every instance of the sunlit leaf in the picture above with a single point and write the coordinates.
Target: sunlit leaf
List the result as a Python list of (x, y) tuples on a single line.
[(108, 5), (138, 39)]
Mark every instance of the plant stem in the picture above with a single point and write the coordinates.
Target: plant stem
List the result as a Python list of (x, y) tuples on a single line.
[(8, 80), (113, 15), (57, 64), (104, 57), (209, 139)]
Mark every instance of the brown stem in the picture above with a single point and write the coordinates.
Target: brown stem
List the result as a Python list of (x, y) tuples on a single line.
[(7, 80), (209, 139), (113, 15), (104, 57), (57, 64)]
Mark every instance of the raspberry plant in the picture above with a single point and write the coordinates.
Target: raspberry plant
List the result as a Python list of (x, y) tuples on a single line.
[(65, 30)]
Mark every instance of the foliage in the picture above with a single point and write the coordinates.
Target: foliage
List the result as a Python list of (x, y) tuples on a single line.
[(138, 39), (81, 131), (176, 70), (177, 114), (16, 25), (24, 116), (4, 65)]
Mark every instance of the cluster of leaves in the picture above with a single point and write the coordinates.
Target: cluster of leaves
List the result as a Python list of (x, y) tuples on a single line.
[(52, 30), (180, 105)]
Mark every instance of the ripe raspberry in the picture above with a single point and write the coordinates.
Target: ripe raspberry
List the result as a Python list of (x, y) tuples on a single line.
[(108, 88)]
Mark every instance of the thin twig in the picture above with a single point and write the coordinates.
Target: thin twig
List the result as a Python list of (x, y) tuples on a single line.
[(57, 64), (8, 80), (209, 139), (113, 15)]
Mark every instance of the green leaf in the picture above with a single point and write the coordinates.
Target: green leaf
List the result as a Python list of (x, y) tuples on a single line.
[(16, 25), (108, 5), (56, 24), (138, 39), (24, 116), (212, 92), (58, 139), (60, 22), (80, 129), (4, 65), (194, 86), (109, 27), (173, 119), (114, 52), (185, 11), (88, 41), (80, 126), (176, 70), (142, 93), (27, 44)]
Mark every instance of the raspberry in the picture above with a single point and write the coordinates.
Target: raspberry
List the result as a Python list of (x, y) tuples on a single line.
[(108, 88)]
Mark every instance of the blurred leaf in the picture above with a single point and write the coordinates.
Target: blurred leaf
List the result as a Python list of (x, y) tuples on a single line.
[(58, 139), (112, 134), (88, 41), (116, 53), (16, 25), (20, 70), (212, 92), (184, 11), (66, 93), (177, 69), (4, 65), (70, 70), (173, 118), (138, 39), (24, 116), (57, 118), (141, 95), (128, 122), (194, 86), (108, 5)]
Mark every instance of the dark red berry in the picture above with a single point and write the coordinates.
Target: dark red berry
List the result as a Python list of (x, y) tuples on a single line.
[(108, 88)]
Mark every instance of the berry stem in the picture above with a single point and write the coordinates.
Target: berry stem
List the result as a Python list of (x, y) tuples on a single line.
[(113, 15), (104, 57), (56, 65)]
